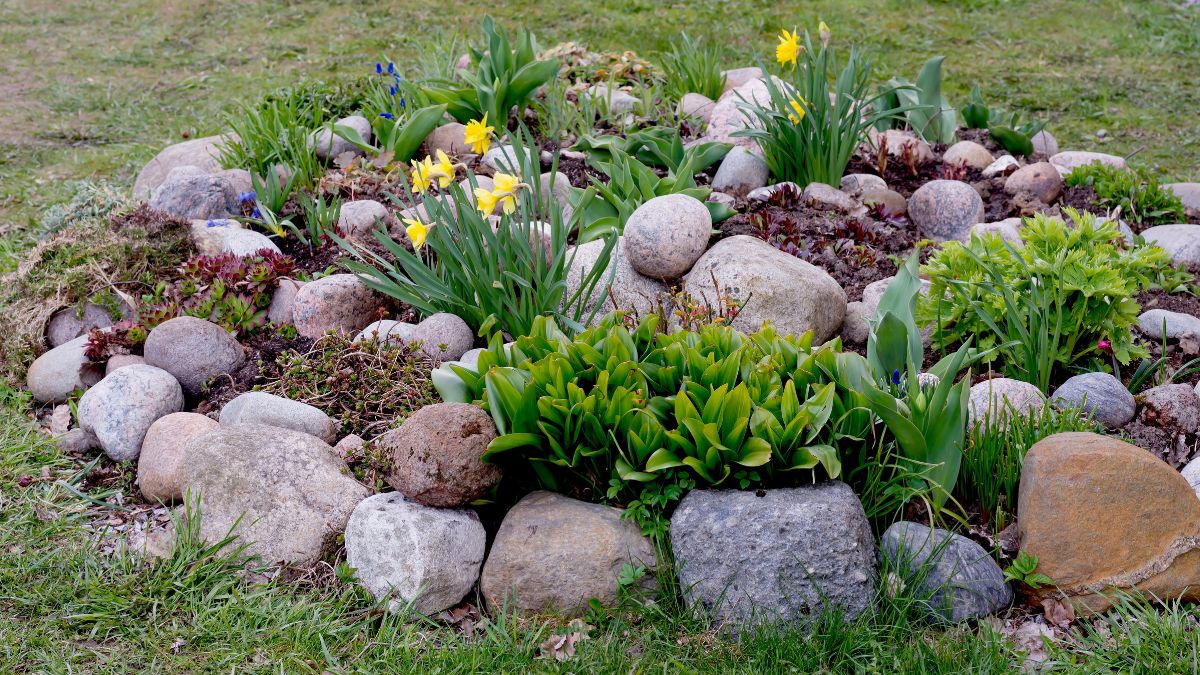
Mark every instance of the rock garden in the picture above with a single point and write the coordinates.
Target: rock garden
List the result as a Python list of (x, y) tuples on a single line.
[(564, 332)]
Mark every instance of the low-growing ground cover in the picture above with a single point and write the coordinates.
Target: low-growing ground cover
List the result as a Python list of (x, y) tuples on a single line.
[(782, 381)]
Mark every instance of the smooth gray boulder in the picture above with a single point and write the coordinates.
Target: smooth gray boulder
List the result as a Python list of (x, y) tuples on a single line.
[(665, 236), (120, 408), (629, 290), (945, 209), (785, 556), (995, 399), (257, 407), (243, 243), (69, 323), (329, 145), (1099, 394), (953, 575), (58, 372), (419, 556), (443, 336), (339, 302), (1181, 241), (192, 194), (193, 350), (286, 495), (740, 172), (1188, 193), (201, 153), (1161, 323)]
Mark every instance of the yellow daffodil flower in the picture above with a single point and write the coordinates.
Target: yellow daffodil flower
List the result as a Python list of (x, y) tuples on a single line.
[(788, 49), (443, 170), (505, 190), (485, 201), (421, 176), (478, 135), (825, 33), (798, 105), (417, 231)]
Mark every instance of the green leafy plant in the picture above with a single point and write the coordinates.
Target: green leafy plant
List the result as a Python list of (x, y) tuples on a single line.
[(996, 447), (658, 146), (498, 277), (1024, 570), (1139, 196), (817, 117), (1065, 297), (271, 190), (605, 207), (397, 136), (1004, 127), (320, 218), (693, 67), (273, 134), (505, 77), (928, 113)]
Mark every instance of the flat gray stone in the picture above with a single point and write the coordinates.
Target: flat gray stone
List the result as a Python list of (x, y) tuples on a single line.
[(1101, 395), (785, 556), (1162, 323), (244, 243), (54, 375), (257, 407), (958, 578)]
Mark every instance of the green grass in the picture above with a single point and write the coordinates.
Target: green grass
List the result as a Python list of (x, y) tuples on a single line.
[(94, 90)]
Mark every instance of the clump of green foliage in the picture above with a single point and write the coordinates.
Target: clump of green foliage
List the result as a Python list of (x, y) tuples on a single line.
[(275, 133), (1142, 200), (693, 67), (366, 385), (229, 290), (996, 447), (498, 278), (1004, 127), (1063, 298), (927, 113), (818, 116), (505, 77), (630, 164)]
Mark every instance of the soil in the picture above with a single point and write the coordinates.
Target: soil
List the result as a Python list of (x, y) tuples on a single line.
[(312, 259), (1081, 198), (854, 250), (262, 362)]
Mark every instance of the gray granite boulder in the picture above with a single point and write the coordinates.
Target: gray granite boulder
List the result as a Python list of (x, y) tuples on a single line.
[(1161, 323), (192, 194), (329, 145), (665, 236), (360, 218), (784, 556), (629, 289), (1041, 180), (444, 336), (1171, 405), (160, 462), (69, 323), (1188, 193), (855, 184), (968, 153), (790, 293), (418, 556), (201, 153), (698, 106), (953, 575), (740, 172), (1071, 159), (1099, 394), (388, 331), (279, 312), (243, 242), (286, 495), (120, 408), (257, 407), (999, 397), (193, 350), (945, 209), (58, 372), (340, 302), (1181, 241)]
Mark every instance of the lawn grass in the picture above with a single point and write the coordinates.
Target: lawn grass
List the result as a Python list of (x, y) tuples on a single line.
[(93, 90)]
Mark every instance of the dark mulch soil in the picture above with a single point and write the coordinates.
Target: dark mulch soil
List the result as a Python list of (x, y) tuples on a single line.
[(1081, 198), (854, 250), (262, 362), (1173, 446), (312, 259)]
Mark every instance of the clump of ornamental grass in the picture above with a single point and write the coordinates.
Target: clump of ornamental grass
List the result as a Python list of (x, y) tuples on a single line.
[(367, 385)]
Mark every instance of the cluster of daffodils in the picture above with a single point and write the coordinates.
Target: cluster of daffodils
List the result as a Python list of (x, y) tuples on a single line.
[(504, 192), (426, 172), (788, 51)]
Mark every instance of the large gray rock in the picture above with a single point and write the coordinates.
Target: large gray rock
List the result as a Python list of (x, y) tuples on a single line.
[(1162, 323), (242, 242), (629, 291), (257, 407), (792, 294), (435, 457), (665, 236), (69, 323), (120, 408), (193, 194), (283, 493), (784, 556), (340, 302), (855, 184), (1188, 193), (945, 209), (449, 138), (1171, 405), (697, 106), (1181, 241), (360, 218), (1099, 394), (193, 350), (954, 575), (54, 375), (387, 331), (443, 336), (329, 145), (201, 153), (1044, 143), (419, 556), (740, 172), (730, 115), (999, 397), (160, 463), (1065, 162), (279, 312), (556, 553)]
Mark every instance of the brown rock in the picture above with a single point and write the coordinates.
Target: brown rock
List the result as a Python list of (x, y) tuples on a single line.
[(1041, 180), (1172, 406), (160, 463), (968, 153), (1102, 515), (555, 553), (340, 302), (893, 202), (437, 455)]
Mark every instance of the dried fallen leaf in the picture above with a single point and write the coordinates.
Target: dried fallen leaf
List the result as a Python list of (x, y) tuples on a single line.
[(1189, 345), (562, 647), (383, 159), (60, 420), (178, 644), (345, 160), (1058, 612)]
